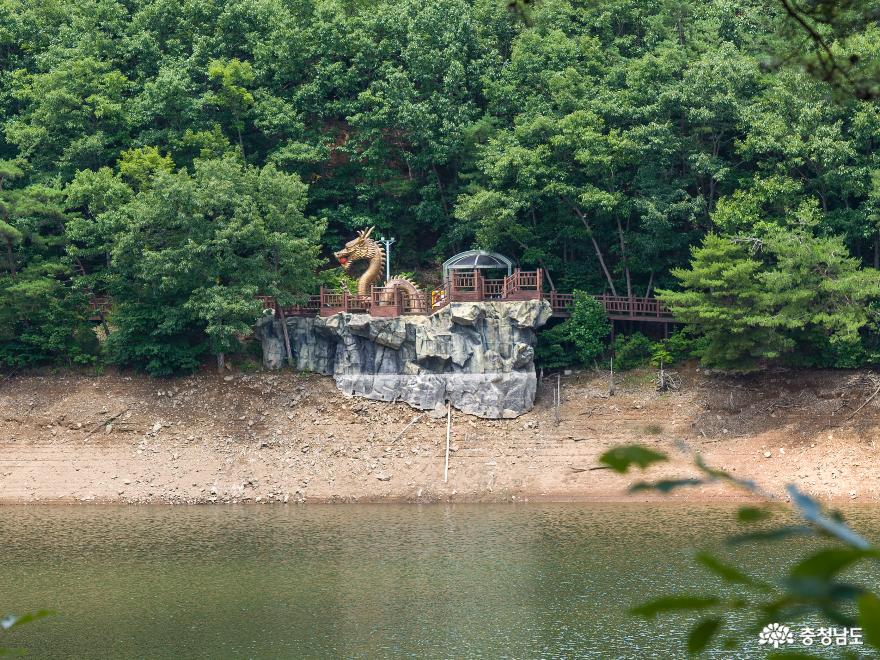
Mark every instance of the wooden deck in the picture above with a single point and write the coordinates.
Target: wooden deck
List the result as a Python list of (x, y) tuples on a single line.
[(462, 287), (472, 287)]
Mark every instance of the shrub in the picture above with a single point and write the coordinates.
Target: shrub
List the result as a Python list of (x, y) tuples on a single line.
[(684, 344), (660, 355), (554, 349), (580, 338), (158, 340), (589, 327), (631, 351), (815, 349), (42, 321)]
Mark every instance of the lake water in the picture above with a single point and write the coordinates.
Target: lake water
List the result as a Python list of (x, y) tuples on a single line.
[(358, 581)]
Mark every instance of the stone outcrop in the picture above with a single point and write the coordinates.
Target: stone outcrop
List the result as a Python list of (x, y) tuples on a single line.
[(477, 356)]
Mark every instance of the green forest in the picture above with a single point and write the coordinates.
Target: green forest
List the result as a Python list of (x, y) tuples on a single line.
[(182, 157)]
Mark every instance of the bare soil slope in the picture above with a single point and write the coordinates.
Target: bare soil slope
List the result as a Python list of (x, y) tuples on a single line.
[(289, 437)]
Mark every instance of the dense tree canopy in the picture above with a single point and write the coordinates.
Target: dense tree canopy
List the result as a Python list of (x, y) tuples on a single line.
[(602, 141)]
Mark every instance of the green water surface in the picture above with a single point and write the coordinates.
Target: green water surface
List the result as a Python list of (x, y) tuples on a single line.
[(359, 581)]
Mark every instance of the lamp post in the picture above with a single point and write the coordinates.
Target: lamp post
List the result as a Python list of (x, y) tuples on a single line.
[(387, 243)]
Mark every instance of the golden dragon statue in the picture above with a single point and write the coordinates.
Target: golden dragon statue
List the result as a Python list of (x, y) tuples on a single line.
[(364, 247)]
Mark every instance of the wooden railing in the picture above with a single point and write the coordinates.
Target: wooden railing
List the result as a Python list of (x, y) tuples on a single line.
[(100, 305), (622, 306), (562, 303), (466, 282), (412, 304), (465, 287), (524, 285), (461, 287), (493, 289), (310, 307)]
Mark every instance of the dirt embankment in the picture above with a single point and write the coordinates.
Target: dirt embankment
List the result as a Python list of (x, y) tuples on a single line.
[(288, 437)]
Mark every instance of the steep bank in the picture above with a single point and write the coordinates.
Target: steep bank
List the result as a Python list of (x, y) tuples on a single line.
[(477, 356), (290, 437)]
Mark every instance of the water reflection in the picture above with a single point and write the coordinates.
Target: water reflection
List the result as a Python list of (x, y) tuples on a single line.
[(472, 581)]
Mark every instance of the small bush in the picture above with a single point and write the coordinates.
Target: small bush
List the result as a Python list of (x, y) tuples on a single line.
[(554, 349), (684, 344), (815, 349), (589, 327), (249, 367), (43, 321), (631, 351), (582, 338), (155, 339), (660, 355)]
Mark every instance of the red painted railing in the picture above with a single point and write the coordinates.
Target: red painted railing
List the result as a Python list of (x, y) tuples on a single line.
[(638, 308), (310, 308), (562, 303), (461, 287), (493, 289)]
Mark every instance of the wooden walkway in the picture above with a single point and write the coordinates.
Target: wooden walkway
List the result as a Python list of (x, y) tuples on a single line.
[(462, 287), (472, 287)]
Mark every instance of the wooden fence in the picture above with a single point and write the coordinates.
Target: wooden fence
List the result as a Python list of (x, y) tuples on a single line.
[(463, 286)]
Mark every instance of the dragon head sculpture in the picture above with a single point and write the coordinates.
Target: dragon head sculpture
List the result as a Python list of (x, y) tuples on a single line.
[(362, 247)]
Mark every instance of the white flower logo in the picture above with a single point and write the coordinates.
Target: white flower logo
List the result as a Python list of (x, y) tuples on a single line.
[(776, 634)]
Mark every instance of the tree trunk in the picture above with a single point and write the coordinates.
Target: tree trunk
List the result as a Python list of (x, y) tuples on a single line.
[(713, 185), (94, 299), (221, 362), (629, 289), (650, 284), (440, 190), (877, 251), (598, 250), (241, 145), (286, 334), (10, 256), (547, 273)]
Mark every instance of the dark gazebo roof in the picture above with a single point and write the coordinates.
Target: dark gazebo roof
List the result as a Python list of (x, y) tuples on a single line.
[(476, 259)]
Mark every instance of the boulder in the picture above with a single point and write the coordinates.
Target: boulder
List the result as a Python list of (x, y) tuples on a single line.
[(477, 356), (391, 333), (465, 313)]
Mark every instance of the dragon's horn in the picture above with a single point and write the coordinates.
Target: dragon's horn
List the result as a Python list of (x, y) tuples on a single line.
[(369, 231)]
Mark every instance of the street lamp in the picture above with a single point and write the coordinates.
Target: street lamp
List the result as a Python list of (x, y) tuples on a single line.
[(387, 243)]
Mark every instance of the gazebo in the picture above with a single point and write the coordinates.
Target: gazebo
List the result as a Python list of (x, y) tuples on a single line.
[(472, 260)]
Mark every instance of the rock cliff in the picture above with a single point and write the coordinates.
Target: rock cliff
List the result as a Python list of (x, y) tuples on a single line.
[(477, 356)]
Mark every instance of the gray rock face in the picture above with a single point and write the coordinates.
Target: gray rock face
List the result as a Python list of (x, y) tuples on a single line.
[(477, 356)]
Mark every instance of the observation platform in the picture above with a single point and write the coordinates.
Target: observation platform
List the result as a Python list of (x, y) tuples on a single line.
[(460, 287), (472, 287)]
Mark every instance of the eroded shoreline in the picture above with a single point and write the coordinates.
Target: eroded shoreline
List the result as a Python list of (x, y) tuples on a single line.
[(286, 437)]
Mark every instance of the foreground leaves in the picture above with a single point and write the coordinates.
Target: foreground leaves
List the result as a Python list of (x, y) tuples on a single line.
[(621, 459), (812, 586), (11, 621)]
